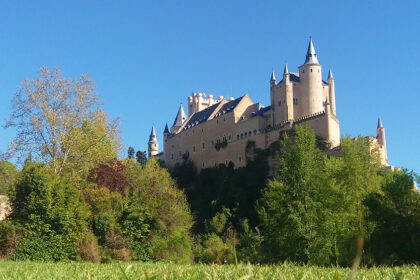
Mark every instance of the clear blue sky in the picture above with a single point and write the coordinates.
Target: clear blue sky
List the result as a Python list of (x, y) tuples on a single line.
[(147, 56)]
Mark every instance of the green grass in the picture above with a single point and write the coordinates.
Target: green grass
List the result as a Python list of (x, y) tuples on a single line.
[(137, 270)]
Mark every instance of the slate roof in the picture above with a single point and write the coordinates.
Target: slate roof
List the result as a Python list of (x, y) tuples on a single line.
[(203, 115)]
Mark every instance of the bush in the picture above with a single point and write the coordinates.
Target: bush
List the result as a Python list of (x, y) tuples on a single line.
[(88, 248), (9, 237), (51, 212)]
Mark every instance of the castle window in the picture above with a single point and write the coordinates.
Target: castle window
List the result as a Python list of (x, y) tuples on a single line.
[(303, 71), (280, 103), (230, 136), (237, 136), (249, 133), (246, 134), (172, 156), (193, 149), (240, 159), (311, 70), (295, 101), (204, 145), (255, 132), (242, 135), (203, 164)]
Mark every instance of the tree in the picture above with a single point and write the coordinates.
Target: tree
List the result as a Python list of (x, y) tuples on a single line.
[(141, 157), (130, 152), (60, 122), (52, 213), (294, 220), (8, 174), (396, 214), (155, 193)]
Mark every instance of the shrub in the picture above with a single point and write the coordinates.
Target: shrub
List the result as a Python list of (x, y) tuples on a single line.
[(88, 248), (51, 212), (9, 237)]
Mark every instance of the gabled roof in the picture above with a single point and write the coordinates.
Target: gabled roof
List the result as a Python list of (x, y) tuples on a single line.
[(201, 116), (294, 77), (204, 115)]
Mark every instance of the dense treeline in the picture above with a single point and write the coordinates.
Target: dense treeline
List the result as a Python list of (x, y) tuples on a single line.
[(312, 208), (73, 199)]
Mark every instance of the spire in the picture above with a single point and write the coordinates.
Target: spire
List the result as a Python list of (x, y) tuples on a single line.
[(273, 77), (286, 70), (166, 131), (153, 137), (330, 75), (380, 123), (180, 117), (311, 57)]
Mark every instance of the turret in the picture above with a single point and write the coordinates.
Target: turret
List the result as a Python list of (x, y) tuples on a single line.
[(311, 83), (288, 108), (331, 92), (153, 144), (166, 132), (380, 136), (272, 79), (179, 119)]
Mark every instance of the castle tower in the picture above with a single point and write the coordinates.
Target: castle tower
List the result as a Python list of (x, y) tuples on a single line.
[(153, 144), (288, 108), (331, 92), (272, 86), (179, 119), (311, 83), (380, 136)]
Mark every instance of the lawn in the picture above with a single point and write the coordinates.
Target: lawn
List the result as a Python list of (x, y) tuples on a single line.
[(137, 270)]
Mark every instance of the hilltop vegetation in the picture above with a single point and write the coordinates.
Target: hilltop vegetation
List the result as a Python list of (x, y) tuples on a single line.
[(74, 199)]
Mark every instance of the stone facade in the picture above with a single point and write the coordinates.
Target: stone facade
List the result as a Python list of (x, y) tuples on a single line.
[(216, 131)]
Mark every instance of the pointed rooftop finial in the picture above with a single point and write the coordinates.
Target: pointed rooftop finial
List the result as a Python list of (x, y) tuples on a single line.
[(153, 137), (380, 122), (180, 117), (286, 70), (166, 131), (273, 77), (330, 75), (311, 57)]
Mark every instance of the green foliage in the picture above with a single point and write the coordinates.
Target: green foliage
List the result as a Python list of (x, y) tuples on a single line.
[(136, 224), (9, 237), (130, 152), (51, 212), (141, 157), (155, 191), (396, 215), (295, 222), (8, 174)]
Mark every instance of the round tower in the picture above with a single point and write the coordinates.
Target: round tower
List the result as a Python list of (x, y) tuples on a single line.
[(153, 144), (331, 92), (310, 75)]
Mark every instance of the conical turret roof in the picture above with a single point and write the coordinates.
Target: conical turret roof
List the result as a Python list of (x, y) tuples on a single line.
[(330, 75), (311, 57), (180, 117), (153, 137), (380, 123), (166, 129), (286, 70), (273, 77)]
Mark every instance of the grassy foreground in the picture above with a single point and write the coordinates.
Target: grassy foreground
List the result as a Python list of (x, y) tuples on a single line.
[(74, 270)]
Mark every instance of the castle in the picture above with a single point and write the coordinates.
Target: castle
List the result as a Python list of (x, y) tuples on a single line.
[(216, 131)]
